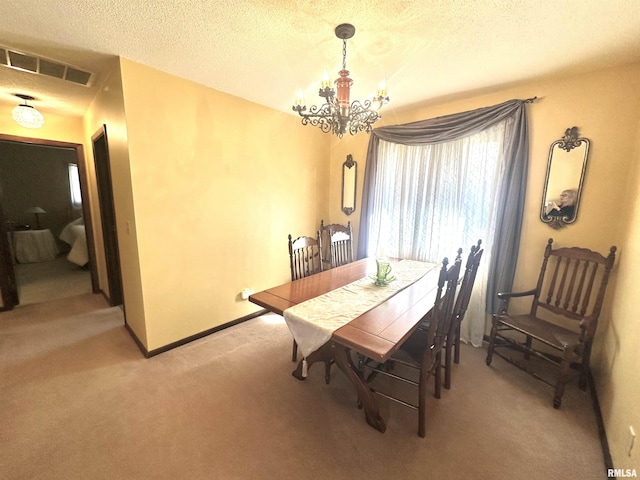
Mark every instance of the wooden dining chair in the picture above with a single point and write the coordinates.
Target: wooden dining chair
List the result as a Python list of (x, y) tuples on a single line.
[(562, 320), (305, 259), (304, 256), (459, 310), (337, 241), (422, 352)]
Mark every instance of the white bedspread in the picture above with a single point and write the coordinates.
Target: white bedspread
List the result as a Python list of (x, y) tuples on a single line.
[(75, 235)]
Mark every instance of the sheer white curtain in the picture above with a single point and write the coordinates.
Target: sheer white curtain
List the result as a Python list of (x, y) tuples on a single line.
[(430, 200)]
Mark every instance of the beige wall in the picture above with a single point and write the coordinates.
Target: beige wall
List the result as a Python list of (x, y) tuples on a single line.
[(606, 107), (107, 109), (218, 182), (206, 187), (617, 365)]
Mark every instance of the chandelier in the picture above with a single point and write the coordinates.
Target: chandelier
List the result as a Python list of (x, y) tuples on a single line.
[(337, 115), (25, 115)]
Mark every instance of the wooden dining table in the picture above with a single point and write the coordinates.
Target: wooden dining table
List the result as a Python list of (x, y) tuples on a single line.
[(377, 333)]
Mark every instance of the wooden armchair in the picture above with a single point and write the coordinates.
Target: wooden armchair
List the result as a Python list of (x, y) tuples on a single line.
[(338, 241), (422, 352), (561, 324), (305, 258)]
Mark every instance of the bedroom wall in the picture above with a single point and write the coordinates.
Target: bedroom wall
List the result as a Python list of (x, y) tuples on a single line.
[(33, 175), (218, 182), (605, 105)]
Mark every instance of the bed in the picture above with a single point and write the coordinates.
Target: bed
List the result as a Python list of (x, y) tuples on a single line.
[(74, 235)]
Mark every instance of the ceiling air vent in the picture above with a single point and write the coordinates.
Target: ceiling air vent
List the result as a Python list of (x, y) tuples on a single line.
[(43, 66), (77, 76), (52, 69), (23, 62)]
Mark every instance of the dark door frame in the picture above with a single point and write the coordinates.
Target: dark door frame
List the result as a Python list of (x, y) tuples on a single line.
[(102, 162), (8, 284), (86, 210)]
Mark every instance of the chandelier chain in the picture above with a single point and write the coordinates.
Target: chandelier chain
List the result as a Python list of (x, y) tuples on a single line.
[(344, 54)]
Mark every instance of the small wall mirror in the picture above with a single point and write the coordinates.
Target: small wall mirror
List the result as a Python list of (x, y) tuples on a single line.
[(565, 175), (349, 179)]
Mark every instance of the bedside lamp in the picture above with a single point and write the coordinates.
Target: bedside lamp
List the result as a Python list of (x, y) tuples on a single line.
[(37, 211)]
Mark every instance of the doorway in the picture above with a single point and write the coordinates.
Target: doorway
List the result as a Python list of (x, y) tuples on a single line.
[(32, 227)]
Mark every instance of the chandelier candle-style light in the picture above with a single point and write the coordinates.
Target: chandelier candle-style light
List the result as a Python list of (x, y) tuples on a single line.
[(25, 115), (337, 115)]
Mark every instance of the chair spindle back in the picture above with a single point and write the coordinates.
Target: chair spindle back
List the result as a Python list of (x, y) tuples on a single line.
[(304, 256), (339, 243), (572, 284)]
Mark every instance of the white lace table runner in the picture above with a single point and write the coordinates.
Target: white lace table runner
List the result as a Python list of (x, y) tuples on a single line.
[(313, 322)]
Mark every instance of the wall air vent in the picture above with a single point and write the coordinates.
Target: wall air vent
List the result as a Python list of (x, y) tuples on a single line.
[(42, 66)]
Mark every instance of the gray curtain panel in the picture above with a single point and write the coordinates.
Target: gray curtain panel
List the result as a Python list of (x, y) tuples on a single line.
[(516, 159)]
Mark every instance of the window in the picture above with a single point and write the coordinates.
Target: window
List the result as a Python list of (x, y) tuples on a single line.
[(430, 200), (434, 197), (74, 186), (459, 193)]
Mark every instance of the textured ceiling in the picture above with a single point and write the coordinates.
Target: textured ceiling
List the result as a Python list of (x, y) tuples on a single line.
[(265, 51)]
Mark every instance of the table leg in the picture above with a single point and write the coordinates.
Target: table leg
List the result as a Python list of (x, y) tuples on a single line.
[(365, 394), (323, 354)]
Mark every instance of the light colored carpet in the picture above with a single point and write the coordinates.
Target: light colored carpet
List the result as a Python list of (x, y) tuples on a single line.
[(59, 278), (78, 401)]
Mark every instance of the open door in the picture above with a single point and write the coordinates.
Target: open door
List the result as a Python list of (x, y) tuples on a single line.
[(8, 284), (108, 215)]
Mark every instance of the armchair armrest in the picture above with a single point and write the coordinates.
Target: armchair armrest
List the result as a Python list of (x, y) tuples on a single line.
[(508, 295)]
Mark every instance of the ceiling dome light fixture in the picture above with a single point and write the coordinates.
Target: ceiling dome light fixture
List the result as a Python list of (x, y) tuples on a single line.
[(337, 115), (25, 115)]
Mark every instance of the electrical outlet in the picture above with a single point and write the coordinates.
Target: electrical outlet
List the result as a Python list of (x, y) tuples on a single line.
[(632, 439), (245, 293)]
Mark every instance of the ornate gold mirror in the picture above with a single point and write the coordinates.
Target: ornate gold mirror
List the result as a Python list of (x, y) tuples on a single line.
[(349, 179), (565, 175)]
